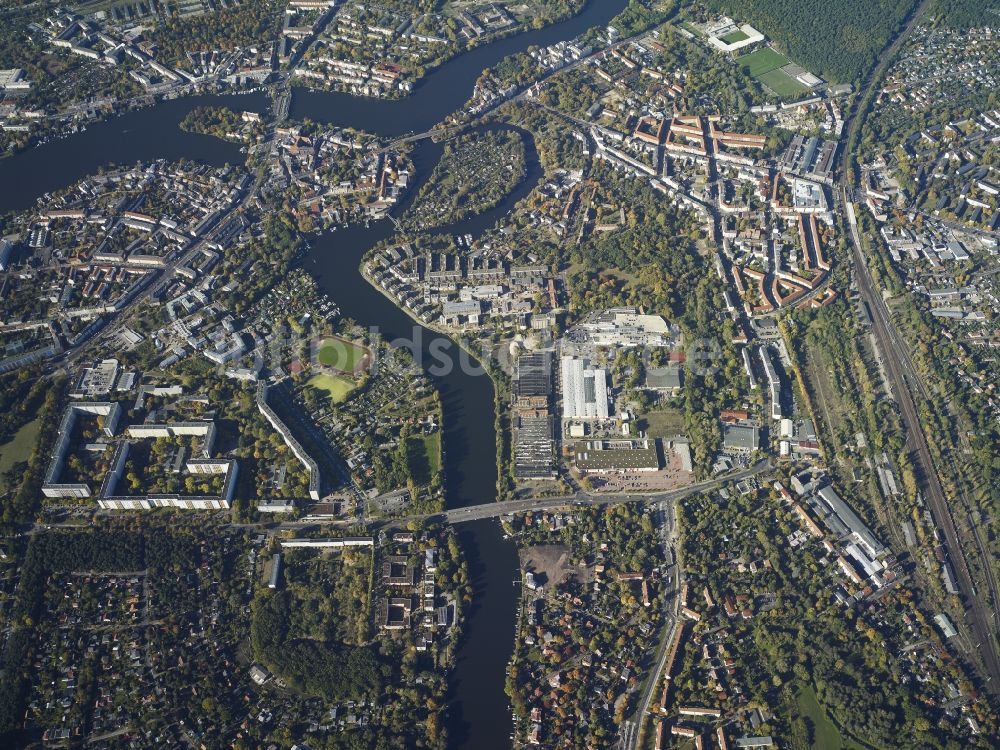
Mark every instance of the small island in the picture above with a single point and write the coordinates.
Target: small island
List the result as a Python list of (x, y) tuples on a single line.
[(476, 172), (224, 123)]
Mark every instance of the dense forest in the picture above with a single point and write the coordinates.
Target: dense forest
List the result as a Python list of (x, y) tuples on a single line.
[(221, 122), (838, 41), (336, 672), (966, 13)]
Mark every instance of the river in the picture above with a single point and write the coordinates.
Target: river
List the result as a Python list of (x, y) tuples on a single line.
[(446, 88), (478, 715), (478, 710), (140, 135)]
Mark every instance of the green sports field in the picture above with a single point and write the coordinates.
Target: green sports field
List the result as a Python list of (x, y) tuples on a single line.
[(765, 65), (340, 354), (338, 387), (781, 83), (763, 60), (734, 36)]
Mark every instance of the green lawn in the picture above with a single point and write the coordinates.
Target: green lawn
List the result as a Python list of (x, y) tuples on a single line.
[(20, 446), (423, 457), (432, 445), (338, 387), (765, 65), (340, 354), (781, 83), (762, 61), (826, 736), (734, 36), (662, 424), (692, 28)]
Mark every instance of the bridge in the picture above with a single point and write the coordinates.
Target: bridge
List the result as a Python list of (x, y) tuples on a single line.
[(443, 133), (282, 103), (455, 515), (585, 499)]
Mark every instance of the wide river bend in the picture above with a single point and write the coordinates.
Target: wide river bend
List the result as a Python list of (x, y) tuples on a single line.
[(478, 712)]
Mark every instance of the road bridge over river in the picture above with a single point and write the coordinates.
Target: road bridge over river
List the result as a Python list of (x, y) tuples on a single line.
[(472, 513), (584, 499)]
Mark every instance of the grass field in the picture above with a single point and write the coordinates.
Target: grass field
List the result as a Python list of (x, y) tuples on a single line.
[(338, 387), (340, 354), (19, 447), (765, 65), (826, 736), (734, 36), (692, 28), (781, 83), (423, 455), (662, 424), (763, 60), (432, 445)]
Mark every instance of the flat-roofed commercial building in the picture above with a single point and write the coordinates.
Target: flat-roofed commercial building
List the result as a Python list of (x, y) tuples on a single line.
[(534, 377), (584, 390), (606, 456), (740, 439), (533, 447)]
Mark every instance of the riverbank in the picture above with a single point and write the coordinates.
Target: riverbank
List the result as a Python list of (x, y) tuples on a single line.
[(478, 713), (140, 135), (453, 51), (501, 391), (446, 88), (58, 127), (477, 717)]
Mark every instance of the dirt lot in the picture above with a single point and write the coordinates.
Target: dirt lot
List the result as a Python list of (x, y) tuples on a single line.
[(662, 424), (552, 562)]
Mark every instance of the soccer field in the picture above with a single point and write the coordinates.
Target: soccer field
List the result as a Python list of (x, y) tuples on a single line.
[(340, 354), (338, 388), (765, 65), (762, 61), (781, 83)]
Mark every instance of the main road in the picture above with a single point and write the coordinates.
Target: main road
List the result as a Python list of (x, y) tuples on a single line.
[(166, 274), (584, 499), (899, 369), (486, 510)]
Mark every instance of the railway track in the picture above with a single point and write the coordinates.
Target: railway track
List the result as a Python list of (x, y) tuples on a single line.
[(978, 614), (900, 373)]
